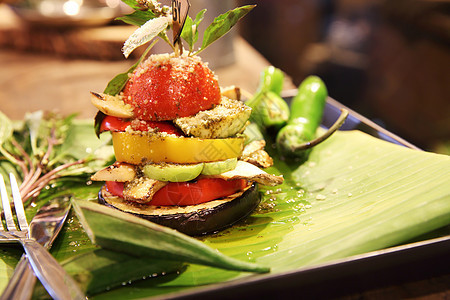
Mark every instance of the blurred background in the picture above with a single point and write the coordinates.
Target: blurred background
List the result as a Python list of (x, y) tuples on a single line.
[(388, 60)]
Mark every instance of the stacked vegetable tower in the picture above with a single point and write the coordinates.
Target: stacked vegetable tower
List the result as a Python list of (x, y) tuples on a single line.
[(182, 157)]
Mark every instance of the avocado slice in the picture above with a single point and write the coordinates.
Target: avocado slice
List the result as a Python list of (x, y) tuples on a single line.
[(218, 167), (172, 172)]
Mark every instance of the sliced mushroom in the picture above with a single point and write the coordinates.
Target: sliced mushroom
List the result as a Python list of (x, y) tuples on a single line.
[(231, 92), (141, 189), (119, 172), (245, 170), (111, 105), (255, 154)]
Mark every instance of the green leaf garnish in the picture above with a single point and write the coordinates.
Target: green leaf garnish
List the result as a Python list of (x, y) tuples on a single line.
[(222, 24), (190, 29), (118, 82), (152, 21), (137, 18), (144, 34), (133, 4)]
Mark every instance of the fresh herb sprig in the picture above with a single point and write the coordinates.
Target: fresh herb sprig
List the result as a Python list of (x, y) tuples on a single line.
[(43, 148), (155, 20)]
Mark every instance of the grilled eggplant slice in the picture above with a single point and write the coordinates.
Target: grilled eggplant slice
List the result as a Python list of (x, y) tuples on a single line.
[(193, 220)]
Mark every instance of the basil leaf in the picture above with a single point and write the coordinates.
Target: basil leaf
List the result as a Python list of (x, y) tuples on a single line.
[(133, 4), (98, 119), (190, 33), (117, 83), (165, 38), (222, 24), (144, 34), (137, 18), (199, 17)]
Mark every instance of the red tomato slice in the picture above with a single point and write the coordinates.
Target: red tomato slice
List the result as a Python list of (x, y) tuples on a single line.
[(115, 188), (165, 88), (111, 123), (196, 192), (188, 193)]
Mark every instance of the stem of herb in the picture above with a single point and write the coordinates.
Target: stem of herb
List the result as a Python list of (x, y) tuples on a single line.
[(34, 178)]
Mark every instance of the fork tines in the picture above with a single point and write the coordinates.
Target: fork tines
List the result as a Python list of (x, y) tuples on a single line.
[(18, 205)]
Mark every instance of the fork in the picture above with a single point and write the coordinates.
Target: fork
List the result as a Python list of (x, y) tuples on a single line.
[(54, 278)]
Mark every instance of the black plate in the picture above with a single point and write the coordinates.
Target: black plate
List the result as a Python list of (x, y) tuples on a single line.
[(391, 266)]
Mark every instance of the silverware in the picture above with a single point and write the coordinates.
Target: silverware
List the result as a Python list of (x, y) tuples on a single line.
[(42, 231), (44, 228)]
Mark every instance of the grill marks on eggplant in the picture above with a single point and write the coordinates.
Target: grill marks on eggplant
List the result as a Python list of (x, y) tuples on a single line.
[(194, 220)]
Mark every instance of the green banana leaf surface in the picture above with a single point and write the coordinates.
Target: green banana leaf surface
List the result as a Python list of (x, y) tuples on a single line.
[(355, 194)]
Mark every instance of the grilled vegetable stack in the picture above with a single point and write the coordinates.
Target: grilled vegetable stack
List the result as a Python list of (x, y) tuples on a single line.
[(179, 147)]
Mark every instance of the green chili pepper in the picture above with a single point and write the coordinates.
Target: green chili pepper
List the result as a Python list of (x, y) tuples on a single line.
[(298, 137), (271, 112), (307, 106), (269, 109), (271, 80)]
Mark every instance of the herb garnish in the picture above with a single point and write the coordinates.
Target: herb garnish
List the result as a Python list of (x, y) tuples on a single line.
[(43, 148), (155, 20)]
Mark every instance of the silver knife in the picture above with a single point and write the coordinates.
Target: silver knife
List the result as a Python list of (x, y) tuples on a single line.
[(44, 228)]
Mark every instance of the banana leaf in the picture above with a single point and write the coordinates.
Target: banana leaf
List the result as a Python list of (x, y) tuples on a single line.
[(355, 194)]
